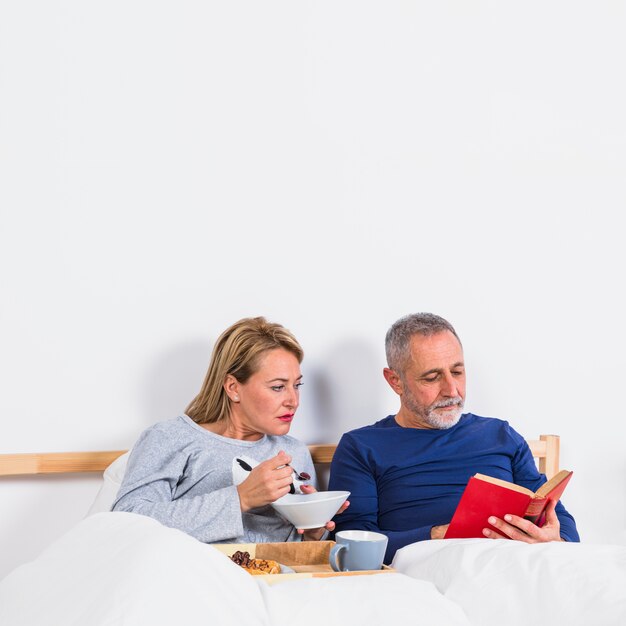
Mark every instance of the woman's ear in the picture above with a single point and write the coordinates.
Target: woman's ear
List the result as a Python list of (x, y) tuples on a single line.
[(231, 387)]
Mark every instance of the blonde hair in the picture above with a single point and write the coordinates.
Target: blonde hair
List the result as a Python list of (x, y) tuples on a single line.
[(237, 352)]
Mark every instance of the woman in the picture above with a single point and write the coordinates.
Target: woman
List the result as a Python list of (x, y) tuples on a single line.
[(214, 471)]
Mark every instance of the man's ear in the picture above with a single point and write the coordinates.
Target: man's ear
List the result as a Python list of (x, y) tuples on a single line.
[(395, 382)]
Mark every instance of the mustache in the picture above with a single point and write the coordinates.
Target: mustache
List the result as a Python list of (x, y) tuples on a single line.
[(446, 403)]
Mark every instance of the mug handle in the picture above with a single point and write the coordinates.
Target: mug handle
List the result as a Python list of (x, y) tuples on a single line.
[(334, 553)]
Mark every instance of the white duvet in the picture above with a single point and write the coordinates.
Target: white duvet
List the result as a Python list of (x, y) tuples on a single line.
[(122, 569), (509, 583)]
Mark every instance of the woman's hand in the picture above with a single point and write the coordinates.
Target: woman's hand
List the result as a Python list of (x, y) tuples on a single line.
[(524, 530), (267, 482), (315, 534)]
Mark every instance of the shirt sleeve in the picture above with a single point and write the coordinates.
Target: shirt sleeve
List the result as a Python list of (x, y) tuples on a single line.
[(154, 470), (352, 471), (526, 474)]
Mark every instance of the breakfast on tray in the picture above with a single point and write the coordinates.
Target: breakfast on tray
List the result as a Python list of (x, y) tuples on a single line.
[(255, 566)]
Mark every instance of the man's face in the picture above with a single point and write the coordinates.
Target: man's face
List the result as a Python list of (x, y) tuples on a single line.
[(432, 385)]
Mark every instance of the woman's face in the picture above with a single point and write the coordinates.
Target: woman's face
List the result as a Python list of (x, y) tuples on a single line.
[(267, 402)]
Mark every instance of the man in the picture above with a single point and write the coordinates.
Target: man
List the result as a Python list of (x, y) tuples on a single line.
[(406, 473)]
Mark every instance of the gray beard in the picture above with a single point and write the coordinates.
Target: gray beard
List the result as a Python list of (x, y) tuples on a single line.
[(436, 420), (448, 419)]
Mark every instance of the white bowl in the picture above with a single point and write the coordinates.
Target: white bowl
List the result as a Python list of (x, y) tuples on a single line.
[(312, 510)]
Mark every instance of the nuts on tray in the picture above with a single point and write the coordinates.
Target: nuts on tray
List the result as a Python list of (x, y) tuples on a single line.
[(255, 566)]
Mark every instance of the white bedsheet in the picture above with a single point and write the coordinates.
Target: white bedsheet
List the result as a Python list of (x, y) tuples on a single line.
[(510, 583), (122, 569), (363, 600)]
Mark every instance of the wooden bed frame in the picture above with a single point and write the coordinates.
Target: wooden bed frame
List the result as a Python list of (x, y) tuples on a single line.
[(545, 450)]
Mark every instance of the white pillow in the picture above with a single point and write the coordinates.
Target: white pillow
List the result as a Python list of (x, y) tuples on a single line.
[(111, 481)]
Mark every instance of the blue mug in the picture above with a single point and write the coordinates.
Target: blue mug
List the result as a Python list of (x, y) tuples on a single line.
[(356, 550)]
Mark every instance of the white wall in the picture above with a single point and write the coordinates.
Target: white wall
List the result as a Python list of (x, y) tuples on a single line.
[(170, 167)]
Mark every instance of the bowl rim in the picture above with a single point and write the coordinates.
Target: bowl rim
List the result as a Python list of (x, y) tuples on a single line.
[(337, 495)]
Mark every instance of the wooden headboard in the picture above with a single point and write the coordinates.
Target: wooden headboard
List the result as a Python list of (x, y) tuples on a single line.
[(545, 450)]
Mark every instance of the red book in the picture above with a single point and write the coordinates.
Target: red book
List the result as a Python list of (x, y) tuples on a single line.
[(485, 496)]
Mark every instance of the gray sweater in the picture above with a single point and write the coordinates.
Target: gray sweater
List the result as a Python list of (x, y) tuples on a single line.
[(185, 477)]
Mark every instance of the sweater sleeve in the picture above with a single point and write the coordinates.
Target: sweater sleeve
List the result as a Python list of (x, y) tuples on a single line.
[(154, 470), (352, 471)]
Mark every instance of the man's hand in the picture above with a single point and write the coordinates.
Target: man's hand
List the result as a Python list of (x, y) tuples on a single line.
[(315, 534), (438, 532), (267, 482), (522, 529)]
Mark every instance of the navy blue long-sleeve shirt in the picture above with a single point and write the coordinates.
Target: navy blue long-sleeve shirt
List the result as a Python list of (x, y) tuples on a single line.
[(404, 481)]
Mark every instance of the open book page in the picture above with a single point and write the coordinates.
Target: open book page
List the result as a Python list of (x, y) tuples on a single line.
[(504, 483), (555, 486)]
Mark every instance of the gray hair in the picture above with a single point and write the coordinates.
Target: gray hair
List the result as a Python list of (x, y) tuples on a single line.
[(398, 338)]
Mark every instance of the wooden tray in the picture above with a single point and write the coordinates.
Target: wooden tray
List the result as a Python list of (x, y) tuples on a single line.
[(307, 559)]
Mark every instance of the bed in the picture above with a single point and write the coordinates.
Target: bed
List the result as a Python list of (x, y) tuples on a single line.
[(114, 569)]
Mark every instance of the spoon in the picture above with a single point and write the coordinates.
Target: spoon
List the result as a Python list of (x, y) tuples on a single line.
[(299, 475)]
